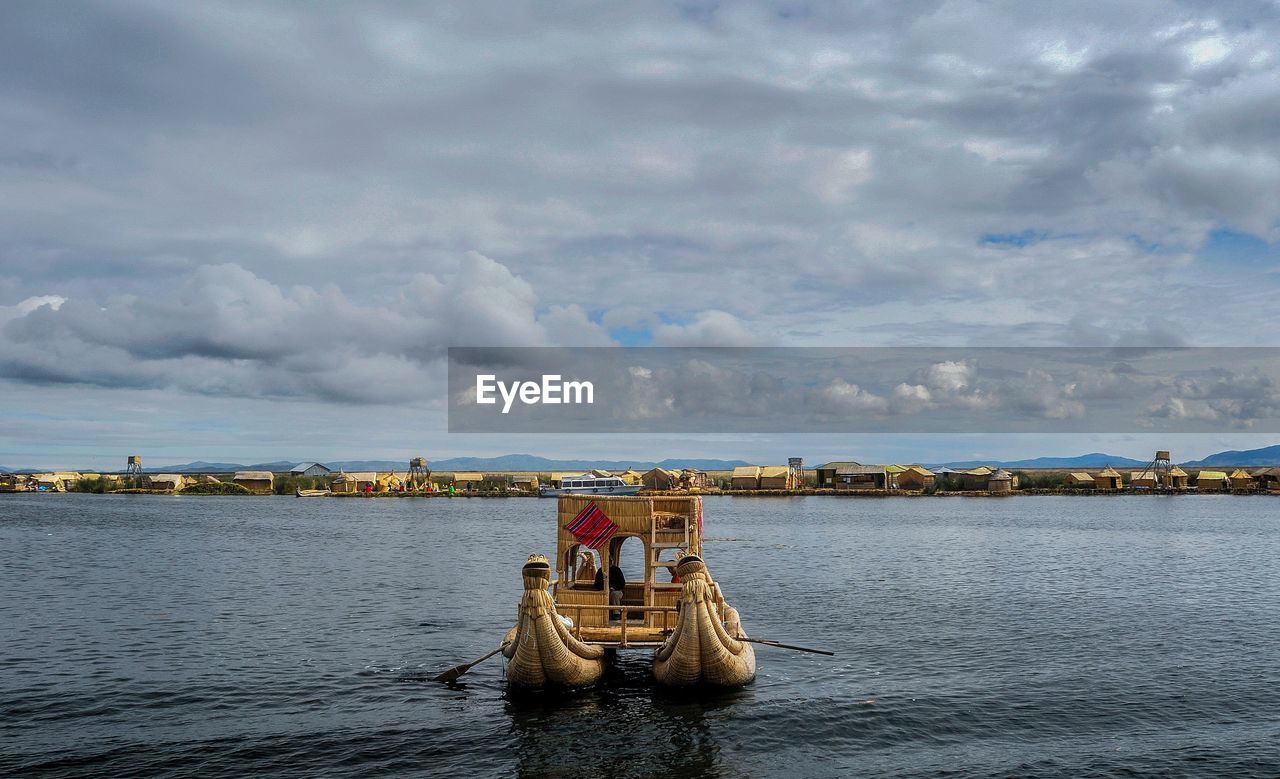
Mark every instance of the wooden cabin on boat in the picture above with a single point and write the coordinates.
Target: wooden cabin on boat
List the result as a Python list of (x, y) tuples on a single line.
[(659, 526), (1212, 481), (354, 482), (166, 481), (1080, 480), (260, 482), (916, 478), (1108, 479), (745, 477), (777, 477), (1242, 480), (825, 475), (660, 479)]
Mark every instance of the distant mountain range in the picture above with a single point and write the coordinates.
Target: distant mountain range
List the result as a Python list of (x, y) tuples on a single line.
[(1091, 460), (1269, 455)]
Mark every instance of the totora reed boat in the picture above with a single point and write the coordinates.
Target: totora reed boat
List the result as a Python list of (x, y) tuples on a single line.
[(568, 620)]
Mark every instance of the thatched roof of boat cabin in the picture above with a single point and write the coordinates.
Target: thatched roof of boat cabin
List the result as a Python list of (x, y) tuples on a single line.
[(253, 476)]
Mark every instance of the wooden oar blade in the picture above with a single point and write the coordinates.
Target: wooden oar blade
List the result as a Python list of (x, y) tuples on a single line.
[(453, 673), (780, 645)]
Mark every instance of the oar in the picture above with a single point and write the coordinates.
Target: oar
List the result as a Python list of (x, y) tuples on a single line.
[(458, 670), (779, 645)]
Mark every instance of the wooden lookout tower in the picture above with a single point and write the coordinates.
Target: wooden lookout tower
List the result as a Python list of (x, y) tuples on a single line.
[(795, 475), (419, 474)]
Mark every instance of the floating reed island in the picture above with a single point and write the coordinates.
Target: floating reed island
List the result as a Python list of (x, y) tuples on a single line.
[(577, 608), (844, 477)]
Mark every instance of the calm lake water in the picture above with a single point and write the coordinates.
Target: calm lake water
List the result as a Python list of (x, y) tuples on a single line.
[(1032, 636)]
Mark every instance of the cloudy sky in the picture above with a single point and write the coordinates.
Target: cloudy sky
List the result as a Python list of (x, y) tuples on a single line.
[(249, 231)]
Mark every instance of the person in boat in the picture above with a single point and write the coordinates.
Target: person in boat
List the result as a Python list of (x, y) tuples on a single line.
[(586, 568), (617, 584)]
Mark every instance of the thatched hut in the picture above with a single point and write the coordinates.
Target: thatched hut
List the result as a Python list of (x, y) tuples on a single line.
[(745, 477), (1242, 480), (777, 477), (1080, 480), (693, 479), (1000, 481), (1212, 481), (354, 482), (1142, 480), (660, 479), (165, 481), (630, 476), (261, 482), (1177, 479), (916, 477), (825, 475), (599, 473), (466, 480), (1108, 479), (391, 481), (527, 483)]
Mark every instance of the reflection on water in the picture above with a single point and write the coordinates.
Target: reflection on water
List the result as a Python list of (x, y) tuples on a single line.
[(625, 726)]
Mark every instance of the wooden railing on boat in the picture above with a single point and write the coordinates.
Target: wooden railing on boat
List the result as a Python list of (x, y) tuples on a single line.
[(667, 612)]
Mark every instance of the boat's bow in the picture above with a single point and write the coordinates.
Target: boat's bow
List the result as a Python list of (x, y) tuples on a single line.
[(704, 647), (542, 651)]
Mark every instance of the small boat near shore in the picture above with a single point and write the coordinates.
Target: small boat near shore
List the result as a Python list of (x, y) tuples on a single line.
[(574, 609), (311, 493)]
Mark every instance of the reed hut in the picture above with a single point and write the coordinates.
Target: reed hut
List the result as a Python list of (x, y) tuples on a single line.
[(1080, 480), (826, 474), (1142, 480), (525, 483), (660, 479), (600, 473), (1108, 479), (165, 481), (692, 479), (354, 482), (260, 482), (10, 482), (975, 479), (1000, 481), (777, 477), (1177, 479), (467, 481), (1242, 480), (58, 481), (1267, 478), (745, 477), (630, 476), (1212, 481), (916, 477), (556, 479)]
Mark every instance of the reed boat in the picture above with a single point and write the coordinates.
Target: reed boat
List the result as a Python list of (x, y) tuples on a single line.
[(310, 493), (575, 606)]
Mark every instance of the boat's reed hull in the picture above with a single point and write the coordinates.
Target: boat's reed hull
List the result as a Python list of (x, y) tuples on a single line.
[(700, 651), (542, 652)]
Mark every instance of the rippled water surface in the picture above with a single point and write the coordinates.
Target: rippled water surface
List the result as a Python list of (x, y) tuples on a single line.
[(1031, 636)]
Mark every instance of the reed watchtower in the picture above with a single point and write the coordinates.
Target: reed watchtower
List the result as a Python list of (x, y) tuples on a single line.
[(419, 474)]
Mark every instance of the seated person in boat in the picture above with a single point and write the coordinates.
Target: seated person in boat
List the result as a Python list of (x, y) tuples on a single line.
[(586, 569)]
